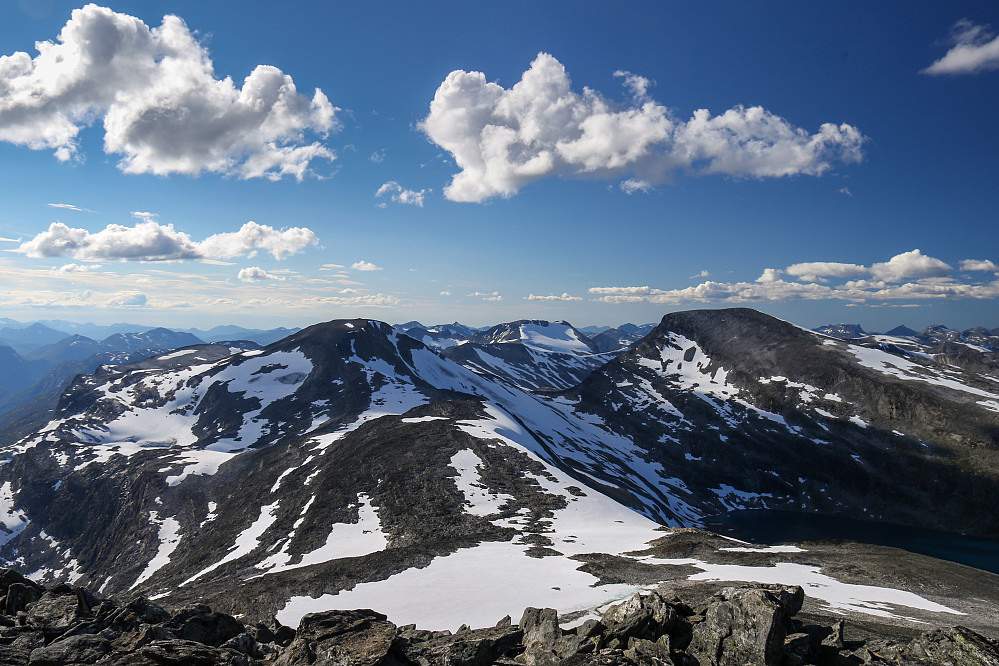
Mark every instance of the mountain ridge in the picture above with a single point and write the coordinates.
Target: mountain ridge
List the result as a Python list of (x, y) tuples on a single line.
[(350, 458)]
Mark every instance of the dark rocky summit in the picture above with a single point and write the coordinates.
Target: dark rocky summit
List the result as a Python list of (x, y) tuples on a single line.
[(736, 626)]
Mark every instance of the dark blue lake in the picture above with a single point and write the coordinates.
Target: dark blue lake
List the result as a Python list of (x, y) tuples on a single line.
[(770, 526)]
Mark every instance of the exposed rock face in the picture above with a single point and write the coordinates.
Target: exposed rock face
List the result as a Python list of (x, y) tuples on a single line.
[(745, 626)]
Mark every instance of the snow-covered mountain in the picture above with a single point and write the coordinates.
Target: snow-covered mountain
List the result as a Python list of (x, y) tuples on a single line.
[(844, 331), (437, 337), (760, 413), (531, 354), (230, 332), (348, 464), (926, 341), (614, 340)]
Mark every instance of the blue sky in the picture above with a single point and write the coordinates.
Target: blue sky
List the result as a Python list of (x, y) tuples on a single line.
[(482, 163)]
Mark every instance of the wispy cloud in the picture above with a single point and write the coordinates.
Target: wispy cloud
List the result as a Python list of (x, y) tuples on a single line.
[(399, 194), (563, 297), (70, 207), (133, 299), (215, 291), (975, 49), (492, 296), (163, 109), (505, 138)]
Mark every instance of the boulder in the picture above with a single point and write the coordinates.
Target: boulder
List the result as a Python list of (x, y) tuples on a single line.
[(646, 616), (83, 649), (11, 655), (54, 612), (198, 623), (475, 647), (541, 633), (19, 595), (744, 627), (141, 637), (187, 653), (244, 643), (333, 638), (648, 653)]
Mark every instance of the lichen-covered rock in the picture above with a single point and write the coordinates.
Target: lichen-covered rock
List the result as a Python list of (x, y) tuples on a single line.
[(11, 655), (335, 638), (83, 649), (141, 637), (475, 647), (189, 653), (200, 624), (53, 613), (957, 646), (19, 595), (744, 627), (645, 616), (541, 633), (648, 653)]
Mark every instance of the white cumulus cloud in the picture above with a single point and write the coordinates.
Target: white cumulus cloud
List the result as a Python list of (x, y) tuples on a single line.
[(401, 195), (505, 138), (913, 264), (152, 241), (253, 237), (365, 266), (975, 49), (816, 271), (978, 265), (770, 275), (162, 107), (256, 274)]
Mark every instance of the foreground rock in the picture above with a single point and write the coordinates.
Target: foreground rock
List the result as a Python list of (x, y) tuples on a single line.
[(738, 626)]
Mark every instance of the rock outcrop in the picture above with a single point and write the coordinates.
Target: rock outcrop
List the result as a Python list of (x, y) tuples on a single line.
[(750, 625)]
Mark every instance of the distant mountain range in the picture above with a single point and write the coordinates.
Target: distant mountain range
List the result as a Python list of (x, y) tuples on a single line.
[(349, 464), (932, 335)]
